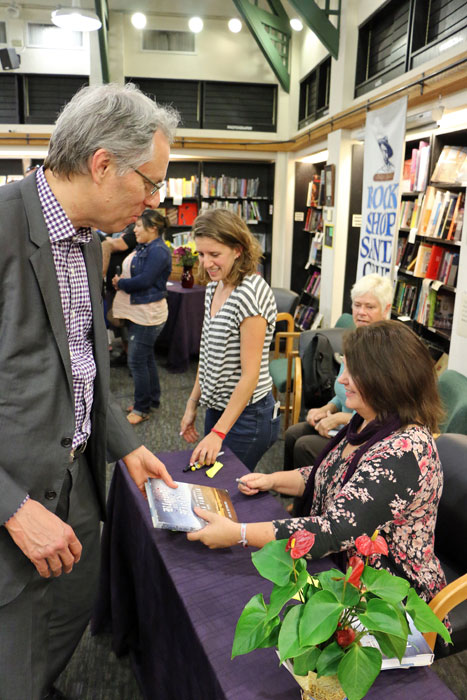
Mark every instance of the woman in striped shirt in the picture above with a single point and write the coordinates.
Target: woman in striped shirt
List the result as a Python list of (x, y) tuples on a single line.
[(233, 379)]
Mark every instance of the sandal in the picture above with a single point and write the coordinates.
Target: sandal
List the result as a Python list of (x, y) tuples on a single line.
[(151, 408), (135, 418)]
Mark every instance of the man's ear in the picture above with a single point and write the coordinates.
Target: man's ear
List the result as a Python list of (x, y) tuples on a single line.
[(99, 165)]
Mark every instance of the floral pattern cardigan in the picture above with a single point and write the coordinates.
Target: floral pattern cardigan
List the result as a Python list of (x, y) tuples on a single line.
[(396, 489)]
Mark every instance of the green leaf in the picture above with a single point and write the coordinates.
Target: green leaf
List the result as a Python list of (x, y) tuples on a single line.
[(320, 617), (423, 616), (390, 645), (306, 661), (289, 644), (385, 585), (329, 660), (352, 594), (273, 638), (252, 628), (381, 617), (274, 563), (358, 670), (282, 594)]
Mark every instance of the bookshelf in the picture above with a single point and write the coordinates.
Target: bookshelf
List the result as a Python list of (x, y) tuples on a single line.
[(430, 225), (244, 187), (307, 243)]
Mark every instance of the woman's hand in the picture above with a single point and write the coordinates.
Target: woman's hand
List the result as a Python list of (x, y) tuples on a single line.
[(314, 415), (187, 426), (115, 280), (252, 483), (207, 450), (218, 532)]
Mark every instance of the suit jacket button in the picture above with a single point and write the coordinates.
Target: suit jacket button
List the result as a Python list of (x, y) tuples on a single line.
[(66, 442), (50, 495)]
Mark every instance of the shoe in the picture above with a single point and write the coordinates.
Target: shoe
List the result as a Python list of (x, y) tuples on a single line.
[(135, 418), (54, 694)]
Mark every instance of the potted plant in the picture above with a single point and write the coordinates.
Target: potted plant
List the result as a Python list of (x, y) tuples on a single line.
[(186, 255), (319, 622)]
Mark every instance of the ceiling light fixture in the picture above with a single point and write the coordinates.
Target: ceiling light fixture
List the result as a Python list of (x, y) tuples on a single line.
[(296, 24), (196, 24), (75, 19), (138, 20), (235, 25)]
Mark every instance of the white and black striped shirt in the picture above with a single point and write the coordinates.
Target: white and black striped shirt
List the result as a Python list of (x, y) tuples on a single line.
[(219, 358)]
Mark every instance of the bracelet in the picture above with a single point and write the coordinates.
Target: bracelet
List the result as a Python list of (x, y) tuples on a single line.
[(195, 401), (218, 433), (243, 540)]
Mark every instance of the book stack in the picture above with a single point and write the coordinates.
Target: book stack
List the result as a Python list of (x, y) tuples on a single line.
[(442, 214), (313, 284), (182, 187), (305, 315), (230, 187), (415, 172), (405, 298), (248, 210), (314, 220)]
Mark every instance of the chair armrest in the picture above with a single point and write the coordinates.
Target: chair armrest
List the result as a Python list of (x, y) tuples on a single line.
[(289, 337), (297, 393), (451, 595)]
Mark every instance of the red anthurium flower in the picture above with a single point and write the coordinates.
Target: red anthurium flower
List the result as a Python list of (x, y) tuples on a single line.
[(371, 545), (300, 543), (357, 569), (345, 636)]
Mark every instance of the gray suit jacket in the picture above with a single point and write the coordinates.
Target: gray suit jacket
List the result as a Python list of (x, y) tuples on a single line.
[(36, 388)]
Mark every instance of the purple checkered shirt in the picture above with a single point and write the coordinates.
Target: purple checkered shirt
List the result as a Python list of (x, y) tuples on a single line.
[(73, 284)]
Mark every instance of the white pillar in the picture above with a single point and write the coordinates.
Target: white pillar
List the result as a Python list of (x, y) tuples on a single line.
[(282, 231)]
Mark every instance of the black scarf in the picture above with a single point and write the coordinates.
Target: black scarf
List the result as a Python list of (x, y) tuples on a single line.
[(366, 438)]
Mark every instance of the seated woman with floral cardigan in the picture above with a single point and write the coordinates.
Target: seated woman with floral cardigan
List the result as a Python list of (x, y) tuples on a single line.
[(382, 471)]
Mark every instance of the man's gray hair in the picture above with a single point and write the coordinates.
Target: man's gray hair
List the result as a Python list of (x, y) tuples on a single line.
[(120, 119)]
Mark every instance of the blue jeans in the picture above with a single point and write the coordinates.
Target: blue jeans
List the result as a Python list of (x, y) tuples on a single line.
[(254, 431), (142, 364)]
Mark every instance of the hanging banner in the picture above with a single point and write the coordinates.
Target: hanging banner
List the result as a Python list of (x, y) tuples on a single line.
[(382, 169)]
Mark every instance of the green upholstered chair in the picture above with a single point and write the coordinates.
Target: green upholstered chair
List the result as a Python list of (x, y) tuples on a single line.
[(452, 387), (345, 321)]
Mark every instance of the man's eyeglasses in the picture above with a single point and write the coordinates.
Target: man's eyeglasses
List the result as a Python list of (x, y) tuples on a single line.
[(155, 186)]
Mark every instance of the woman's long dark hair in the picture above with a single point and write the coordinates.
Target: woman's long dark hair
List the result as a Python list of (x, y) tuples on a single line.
[(150, 218)]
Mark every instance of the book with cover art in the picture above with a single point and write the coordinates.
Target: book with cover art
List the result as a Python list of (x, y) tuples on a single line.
[(172, 509)]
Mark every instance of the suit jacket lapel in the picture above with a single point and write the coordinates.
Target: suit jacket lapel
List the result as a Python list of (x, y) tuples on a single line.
[(93, 260), (44, 268)]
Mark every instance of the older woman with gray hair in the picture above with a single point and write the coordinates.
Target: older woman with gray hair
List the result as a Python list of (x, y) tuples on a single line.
[(371, 301)]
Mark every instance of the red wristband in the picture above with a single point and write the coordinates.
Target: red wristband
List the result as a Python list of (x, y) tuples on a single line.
[(218, 432)]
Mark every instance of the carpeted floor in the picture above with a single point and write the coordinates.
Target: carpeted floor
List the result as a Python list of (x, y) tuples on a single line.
[(94, 673)]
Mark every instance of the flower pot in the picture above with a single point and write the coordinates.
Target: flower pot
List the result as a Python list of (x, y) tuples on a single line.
[(187, 278), (323, 688)]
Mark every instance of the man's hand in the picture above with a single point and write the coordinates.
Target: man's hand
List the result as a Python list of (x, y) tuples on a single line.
[(47, 541), (141, 463)]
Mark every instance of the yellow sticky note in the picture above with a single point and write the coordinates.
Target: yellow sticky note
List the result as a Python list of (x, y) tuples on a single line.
[(212, 471)]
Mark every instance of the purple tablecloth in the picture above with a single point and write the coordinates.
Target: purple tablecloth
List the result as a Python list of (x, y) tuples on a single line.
[(174, 604), (182, 331)]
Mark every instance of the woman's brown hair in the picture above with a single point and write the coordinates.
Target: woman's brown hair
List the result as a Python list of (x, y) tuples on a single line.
[(394, 372), (150, 218), (226, 227)]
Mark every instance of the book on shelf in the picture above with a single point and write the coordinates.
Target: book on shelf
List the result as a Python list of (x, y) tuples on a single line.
[(442, 363), (401, 246), (414, 219), (434, 262), (316, 245), (407, 206), (314, 220), (413, 168), (443, 312), (455, 217), (304, 315), (457, 235), (405, 298), (172, 215), (423, 165), (451, 166), (322, 188), (424, 313), (187, 213), (422, 259), (405, 181), (173, 509), (427, 208), (312, 197)]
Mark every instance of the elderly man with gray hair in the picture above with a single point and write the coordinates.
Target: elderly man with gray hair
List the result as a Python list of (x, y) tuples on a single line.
[(107, 159)]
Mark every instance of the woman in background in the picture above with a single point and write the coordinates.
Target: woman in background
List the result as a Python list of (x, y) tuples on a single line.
[(380, 472), (371, 301), (233, 378), (142, 300)]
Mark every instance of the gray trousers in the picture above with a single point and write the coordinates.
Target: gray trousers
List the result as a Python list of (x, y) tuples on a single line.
[(40, 629), (302, 445)]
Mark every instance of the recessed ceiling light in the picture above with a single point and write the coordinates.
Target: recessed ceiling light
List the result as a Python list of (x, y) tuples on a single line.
[(235, 25), (296, 24), (138, 20), (75, 19), (196, 24)]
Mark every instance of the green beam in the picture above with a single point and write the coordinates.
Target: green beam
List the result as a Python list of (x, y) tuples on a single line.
[(102, 11), (317, 20), (258, 22)]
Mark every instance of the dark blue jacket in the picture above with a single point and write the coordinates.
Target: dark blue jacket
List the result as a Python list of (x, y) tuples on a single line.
[(150, 270)]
